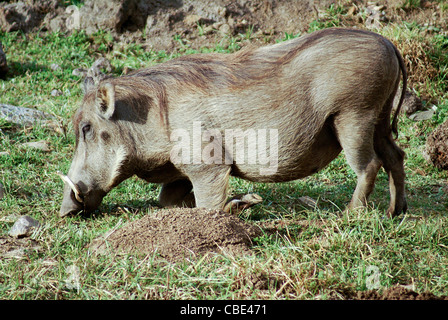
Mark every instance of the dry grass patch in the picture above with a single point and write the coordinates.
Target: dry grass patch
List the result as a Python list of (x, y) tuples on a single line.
[(416, 51)]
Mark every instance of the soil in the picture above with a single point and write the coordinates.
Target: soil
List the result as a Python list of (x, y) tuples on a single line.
[(179, 233), (396, 293), (17, 248)]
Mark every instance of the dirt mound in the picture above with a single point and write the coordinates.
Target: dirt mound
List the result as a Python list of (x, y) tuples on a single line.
[(436, 149), (397, 293), (178, 233)]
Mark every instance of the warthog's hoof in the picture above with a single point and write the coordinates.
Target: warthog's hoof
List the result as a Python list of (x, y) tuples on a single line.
[(398, 209), (238, 204)]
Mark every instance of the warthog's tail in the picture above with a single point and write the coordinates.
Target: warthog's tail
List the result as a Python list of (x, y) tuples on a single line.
[(403, 91)]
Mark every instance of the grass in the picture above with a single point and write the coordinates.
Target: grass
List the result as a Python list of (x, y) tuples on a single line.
[(304, 253)]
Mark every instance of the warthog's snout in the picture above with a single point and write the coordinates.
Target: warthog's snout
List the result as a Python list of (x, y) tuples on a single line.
[(70, 205), (75, 200)]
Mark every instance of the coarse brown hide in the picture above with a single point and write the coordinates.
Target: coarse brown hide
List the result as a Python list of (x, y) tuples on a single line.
[(271, 114)]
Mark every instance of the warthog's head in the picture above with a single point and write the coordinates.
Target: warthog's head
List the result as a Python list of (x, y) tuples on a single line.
[(100, 158)]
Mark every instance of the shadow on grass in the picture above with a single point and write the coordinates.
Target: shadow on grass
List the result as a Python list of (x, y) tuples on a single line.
[(17, 69), (131, 207)]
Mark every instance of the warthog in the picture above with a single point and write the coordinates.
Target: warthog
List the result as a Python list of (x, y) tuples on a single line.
[(316, 95)]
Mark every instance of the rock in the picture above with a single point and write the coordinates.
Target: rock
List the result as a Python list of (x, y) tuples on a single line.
[(436, 148), (74, 275), (28, 15), (23, 227), (19, 16), (217, 25), (109, 15), (57, 24), (422, 115), (62, 19), (56, 93), (18, 253), (352, 10), (411, 103), (3, 64), (22, 116), (192, 19), (73, 21), (207, 29), (413, 107), (225, 29), (55, 126), (39, 145)]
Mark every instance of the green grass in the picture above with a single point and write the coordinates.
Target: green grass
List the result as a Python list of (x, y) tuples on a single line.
[(307, 254)]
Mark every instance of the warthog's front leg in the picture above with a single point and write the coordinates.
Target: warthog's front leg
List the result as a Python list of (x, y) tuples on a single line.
[(210, 184)]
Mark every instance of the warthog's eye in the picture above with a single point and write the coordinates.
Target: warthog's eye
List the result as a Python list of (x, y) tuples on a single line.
[(85, 129)]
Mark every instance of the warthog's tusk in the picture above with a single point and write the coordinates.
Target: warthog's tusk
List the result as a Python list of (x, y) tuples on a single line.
[(73, 186)]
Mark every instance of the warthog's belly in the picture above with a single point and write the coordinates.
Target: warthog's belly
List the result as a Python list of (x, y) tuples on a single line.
[(294, 160)]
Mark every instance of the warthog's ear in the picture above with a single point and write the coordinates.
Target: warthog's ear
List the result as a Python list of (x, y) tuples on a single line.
[(88, 85), (106, 100)]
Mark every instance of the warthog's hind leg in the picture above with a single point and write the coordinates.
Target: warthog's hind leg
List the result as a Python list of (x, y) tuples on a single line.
[(392, 158), (357, 142), (367, 147), (366, 173)]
